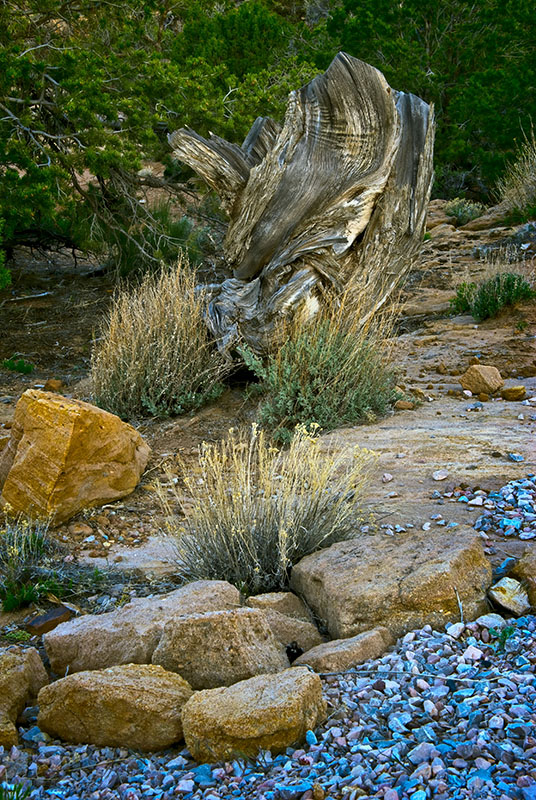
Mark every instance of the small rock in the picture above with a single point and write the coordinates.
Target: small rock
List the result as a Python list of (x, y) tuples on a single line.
[(387, 477), (473, 653), (423, 752), (491, 621), (53, 385), (511, 595), (404, 405), (43, 623), (456, 630), (513, 393), (440, 475), (482, 378)]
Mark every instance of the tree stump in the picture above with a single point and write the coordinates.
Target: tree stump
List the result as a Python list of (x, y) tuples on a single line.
[(336, 197)]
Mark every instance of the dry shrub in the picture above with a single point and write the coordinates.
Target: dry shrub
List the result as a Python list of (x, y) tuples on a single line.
[(333, 370), (155, 355), (254, 510), (517, 189)]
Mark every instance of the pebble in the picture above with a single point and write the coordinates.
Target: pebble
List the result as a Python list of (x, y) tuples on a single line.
[(440, 475), (511, 511)]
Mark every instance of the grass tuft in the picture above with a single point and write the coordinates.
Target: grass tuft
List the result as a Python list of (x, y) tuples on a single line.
[(155, 356), (254, 510), (331, 371), (32, 566), (14, 791), (517, 189)]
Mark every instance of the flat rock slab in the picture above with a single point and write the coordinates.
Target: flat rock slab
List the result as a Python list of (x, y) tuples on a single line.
[(134, 705), (65, 455), (220, 648), (131, 633), (400, 583), (342, 654), (268, 712)]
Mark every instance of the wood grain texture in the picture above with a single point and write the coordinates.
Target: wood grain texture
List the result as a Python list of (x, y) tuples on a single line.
[(336, 196)]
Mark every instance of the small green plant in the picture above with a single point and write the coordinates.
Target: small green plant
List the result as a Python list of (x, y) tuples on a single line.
[(14, 791), (461, 303), (464, 210), (502, 636), (330, 372), (18, 365), (255, 510), (155, 356), (487, 299), (427, 236), (17, 636)]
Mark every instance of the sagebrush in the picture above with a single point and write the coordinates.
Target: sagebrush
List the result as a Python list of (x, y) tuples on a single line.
[(464, 210), (253, 510), (155, 355), (331, 371), (487, 298)]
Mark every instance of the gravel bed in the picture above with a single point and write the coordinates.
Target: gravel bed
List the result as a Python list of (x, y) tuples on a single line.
[(443, 715)]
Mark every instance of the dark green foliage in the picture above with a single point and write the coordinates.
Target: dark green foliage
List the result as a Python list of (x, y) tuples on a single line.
[(90, 91), (5, 277), (520, 215), (502, 636), (476, 64), (18, 365), (488, 298), (322, 374)]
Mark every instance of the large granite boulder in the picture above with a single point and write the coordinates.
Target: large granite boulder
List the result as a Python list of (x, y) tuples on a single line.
[(131, 633), (400, 582), (64, 455), (22, 675), (268, 712), (134, 705), (220, 648)]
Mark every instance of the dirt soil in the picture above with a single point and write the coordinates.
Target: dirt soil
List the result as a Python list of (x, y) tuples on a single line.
[(51, 315)]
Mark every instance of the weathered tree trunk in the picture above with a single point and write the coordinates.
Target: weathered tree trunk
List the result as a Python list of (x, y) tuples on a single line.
[(337, 196)]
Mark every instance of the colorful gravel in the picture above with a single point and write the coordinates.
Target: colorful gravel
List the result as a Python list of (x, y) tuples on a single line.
[(444, 715)]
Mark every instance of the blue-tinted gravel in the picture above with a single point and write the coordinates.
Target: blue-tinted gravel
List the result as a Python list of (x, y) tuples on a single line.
[(438, 717)]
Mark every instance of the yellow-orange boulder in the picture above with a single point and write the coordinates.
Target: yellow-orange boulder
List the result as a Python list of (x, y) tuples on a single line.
[(64, 455)]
